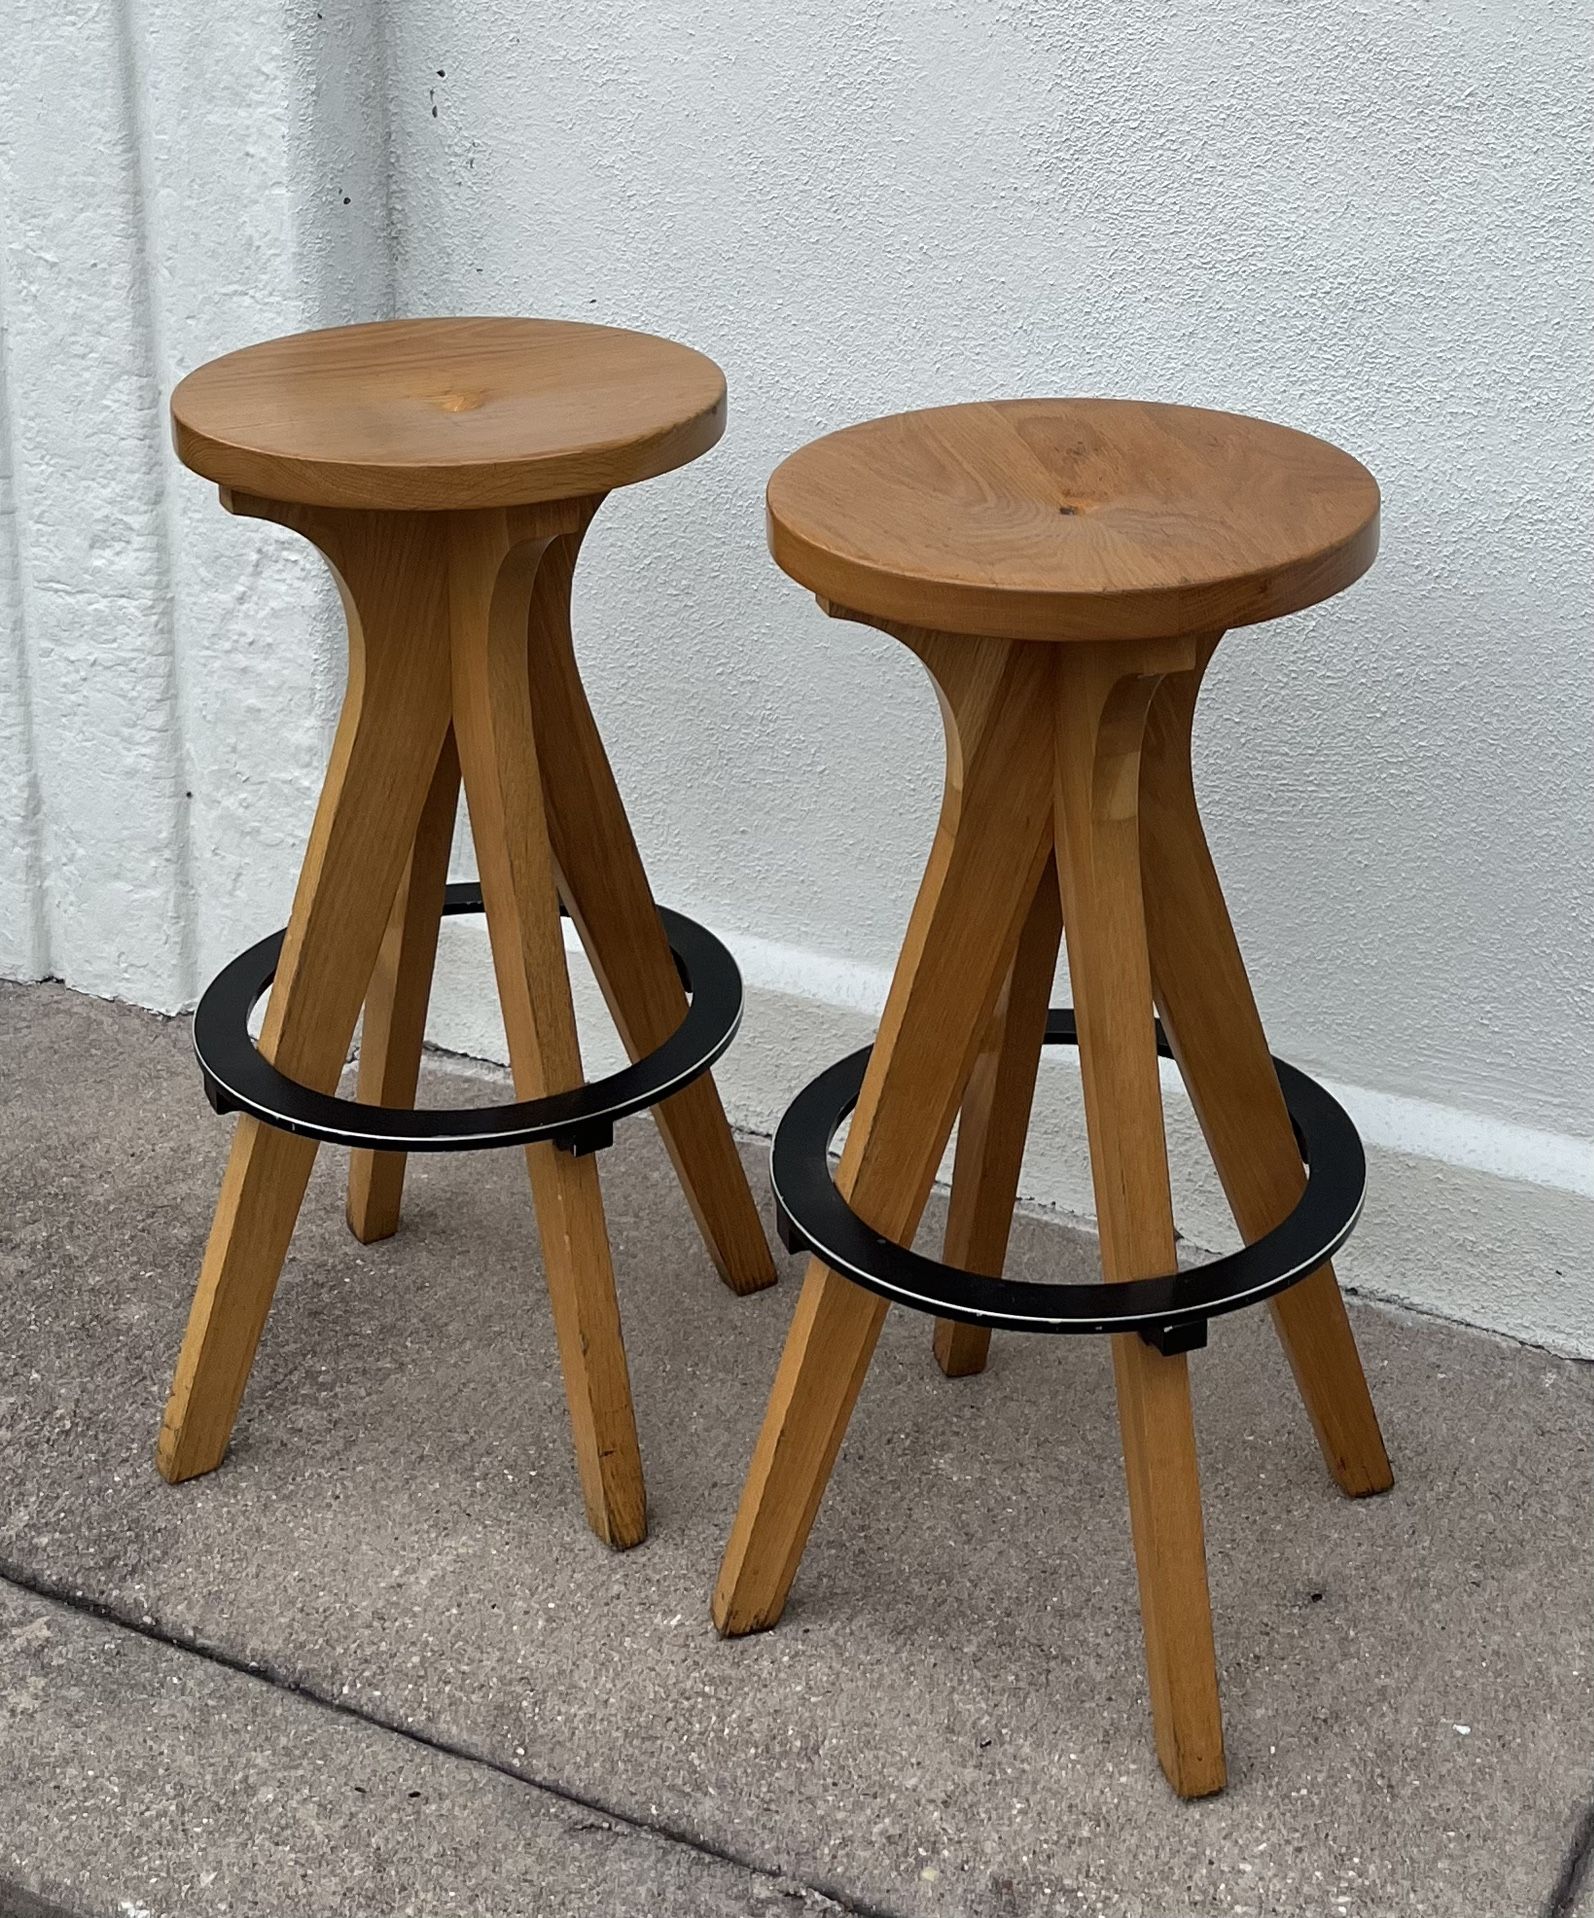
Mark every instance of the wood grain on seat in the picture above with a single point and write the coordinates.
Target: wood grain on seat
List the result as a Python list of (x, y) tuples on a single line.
[(434, 415), (1073, 519)]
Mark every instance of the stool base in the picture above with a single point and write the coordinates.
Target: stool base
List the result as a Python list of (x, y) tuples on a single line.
[(1063, 779), (461, 669)]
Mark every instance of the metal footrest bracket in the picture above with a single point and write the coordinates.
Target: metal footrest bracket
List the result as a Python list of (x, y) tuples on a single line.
[(1170, 1313), (238, 1078)]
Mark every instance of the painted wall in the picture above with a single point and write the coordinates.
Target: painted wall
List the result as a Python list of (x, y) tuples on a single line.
[(1369, 221)]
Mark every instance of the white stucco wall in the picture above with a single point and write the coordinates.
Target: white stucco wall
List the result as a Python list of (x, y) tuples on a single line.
[(1369, 221)]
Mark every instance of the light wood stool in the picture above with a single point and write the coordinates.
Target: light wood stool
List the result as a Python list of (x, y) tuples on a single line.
[(448, 470), (1065, 569)]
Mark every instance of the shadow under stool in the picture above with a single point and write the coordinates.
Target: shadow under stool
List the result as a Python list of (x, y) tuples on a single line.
[(1065, 570), (448, 471)]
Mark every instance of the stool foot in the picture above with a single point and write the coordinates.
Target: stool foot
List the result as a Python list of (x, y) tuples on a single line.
[(828, 1350), (586, 1315), (1170, 1559), (961, 1351), (261, 1193), (383, 756), (1315, 1332), (995, 1121), (493, 560), (989, 851), (1102, 709), (1210, 1017), (607, 892), (394, 1028)]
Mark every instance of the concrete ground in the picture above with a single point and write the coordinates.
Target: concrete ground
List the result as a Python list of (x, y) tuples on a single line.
[(376, 1664)]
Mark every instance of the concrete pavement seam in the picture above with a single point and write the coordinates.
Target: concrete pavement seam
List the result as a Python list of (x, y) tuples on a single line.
[(82, 1603)]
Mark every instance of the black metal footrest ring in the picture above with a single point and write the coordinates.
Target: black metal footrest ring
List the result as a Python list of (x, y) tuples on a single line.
[(238, 1078), (1170, 1312)]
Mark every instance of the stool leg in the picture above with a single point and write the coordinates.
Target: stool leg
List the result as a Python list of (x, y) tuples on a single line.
[(995, 1122), (394, 1027), (394, 714), (493, 565), (606, 889), (1101, 717), (1211, 1021), (989, 850)]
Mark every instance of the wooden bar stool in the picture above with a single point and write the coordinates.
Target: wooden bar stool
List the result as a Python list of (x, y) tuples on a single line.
[(448, 470), (1065, 569)]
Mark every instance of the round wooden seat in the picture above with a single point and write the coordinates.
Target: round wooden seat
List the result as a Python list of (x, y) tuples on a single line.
[(1072, 519), (434, 415)]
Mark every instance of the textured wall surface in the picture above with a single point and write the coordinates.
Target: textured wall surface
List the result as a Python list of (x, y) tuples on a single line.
[(1366, 220)]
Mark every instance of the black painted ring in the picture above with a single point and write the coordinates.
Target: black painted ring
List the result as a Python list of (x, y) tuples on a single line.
[(814, 1217), (238, 1078)]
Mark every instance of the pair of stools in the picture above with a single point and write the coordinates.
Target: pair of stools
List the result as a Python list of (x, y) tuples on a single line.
[(1064, 569)]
